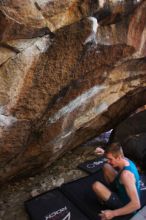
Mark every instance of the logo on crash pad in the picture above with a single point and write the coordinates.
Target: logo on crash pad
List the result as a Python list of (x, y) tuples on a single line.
[(60, 214), (95, 163)]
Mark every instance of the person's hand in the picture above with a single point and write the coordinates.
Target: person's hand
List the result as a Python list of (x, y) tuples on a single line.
[(107, 215), (99, 151)]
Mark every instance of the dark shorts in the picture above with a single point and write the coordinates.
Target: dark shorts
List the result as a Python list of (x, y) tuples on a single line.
[(114, 202)]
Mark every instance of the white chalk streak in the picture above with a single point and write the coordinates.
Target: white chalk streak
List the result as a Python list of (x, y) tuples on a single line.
[(7, 120), (92, 36), (66, 135), (91, 114), (76, 103), (94, 23), (43, 44)]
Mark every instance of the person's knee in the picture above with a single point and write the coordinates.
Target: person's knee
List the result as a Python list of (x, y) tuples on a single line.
[(109, 172), (106, 168), (96, 186), (101, 190)]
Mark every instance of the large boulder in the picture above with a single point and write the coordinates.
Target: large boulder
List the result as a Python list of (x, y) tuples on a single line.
[(56, 92), (131, 133)]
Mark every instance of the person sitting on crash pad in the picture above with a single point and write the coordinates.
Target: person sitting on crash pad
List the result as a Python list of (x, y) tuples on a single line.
[(122, 196)]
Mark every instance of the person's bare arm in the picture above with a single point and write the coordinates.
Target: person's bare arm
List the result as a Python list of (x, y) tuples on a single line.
[(128, 180)]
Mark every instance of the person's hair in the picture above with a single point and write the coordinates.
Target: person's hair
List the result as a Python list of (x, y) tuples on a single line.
[(115, 149)]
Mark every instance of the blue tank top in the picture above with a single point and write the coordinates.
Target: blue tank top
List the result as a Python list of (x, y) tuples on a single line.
[(120, 187)]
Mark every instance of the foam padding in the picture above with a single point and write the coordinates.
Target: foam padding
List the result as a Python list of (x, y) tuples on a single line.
[(73, 201), (53, 205), (80, 192), (92, 166)]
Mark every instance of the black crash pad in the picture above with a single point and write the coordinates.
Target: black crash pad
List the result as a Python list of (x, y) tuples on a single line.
[(75, 200), (53, 205), (93, 166), (72, 201)]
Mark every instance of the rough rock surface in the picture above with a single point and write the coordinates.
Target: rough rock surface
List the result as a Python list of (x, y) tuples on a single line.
[(35, 18), (137, 30), (56, 92), (131, 133)]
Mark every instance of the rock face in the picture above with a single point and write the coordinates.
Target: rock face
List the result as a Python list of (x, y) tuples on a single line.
[(56, 92), (137, 30), (35, 18), (131, 133)]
